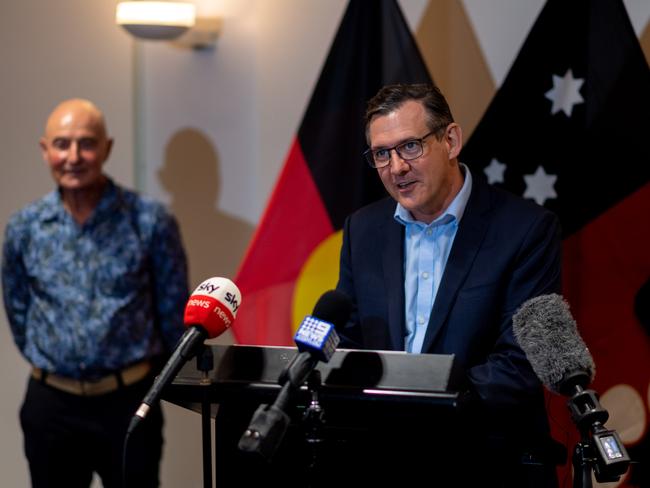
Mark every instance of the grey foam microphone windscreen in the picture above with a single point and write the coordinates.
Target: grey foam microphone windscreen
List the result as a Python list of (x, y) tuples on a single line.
[(548, 334)]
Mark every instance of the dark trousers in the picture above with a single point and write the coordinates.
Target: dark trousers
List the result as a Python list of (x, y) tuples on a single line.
[(69, 437)]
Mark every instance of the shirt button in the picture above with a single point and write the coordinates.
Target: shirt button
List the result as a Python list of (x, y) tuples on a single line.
[(420, 320), (425, 275), (429, 231)]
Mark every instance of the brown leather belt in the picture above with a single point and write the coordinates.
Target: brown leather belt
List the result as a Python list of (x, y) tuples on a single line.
[(107, 384)]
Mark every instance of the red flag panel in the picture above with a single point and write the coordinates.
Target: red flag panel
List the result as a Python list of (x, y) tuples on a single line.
[(278, 250)]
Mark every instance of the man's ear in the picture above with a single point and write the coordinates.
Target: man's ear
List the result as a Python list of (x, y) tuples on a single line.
[(109, 147), (42, 142), (454, 140)]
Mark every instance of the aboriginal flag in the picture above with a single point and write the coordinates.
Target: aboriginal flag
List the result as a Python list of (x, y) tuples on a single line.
[(569, 129), (294, 254)]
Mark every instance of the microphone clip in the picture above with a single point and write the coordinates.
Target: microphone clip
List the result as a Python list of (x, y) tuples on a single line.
[(314, 416), (265, 431), (599, 448)]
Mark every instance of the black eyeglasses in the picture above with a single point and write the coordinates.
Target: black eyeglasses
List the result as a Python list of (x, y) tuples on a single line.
[(407, 150)]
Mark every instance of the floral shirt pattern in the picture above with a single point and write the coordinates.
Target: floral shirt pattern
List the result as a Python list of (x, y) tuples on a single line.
[(85, 300)]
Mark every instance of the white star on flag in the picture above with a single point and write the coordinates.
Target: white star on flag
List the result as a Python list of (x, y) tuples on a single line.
[(565, 93), (539, 186), (494, 171)]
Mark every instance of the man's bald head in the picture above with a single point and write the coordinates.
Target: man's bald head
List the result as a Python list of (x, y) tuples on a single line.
[(76, 111), (75, 144)]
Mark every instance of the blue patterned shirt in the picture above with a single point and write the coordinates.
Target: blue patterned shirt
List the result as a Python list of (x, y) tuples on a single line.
[(85, 300)]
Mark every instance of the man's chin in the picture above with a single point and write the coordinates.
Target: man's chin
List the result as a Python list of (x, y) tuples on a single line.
[(76, 185), (406, 202), (72, 184)]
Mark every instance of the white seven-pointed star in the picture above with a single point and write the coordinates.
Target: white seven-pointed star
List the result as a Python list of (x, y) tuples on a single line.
[(565, 93), (539, 186), (494, 171)]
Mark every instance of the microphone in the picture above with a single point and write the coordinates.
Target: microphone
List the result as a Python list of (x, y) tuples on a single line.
[(546, 331), (316, 340), (316, 337), (548, 334), (210, 311)]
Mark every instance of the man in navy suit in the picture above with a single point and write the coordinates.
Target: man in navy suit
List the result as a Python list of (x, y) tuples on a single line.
[(440, 267)]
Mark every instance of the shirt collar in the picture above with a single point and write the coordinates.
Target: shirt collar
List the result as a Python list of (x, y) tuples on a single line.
[(53, 205), (454, 211)]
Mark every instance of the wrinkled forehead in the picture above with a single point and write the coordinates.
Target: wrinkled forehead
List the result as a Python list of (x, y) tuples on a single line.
[(407, 120)]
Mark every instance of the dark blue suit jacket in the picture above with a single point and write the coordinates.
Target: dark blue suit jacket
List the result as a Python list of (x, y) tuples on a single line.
[(506, 251)]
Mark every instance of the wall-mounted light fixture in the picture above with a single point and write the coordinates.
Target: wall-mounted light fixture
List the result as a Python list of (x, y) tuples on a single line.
[(156, 20), (167, 21)]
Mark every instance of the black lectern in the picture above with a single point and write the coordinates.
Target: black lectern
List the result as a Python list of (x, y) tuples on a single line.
[(360, 392)]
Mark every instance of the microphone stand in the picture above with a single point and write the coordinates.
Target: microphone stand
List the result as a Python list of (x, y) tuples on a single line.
[(205, 364), (599, 450), (583, 462), (313, 422), (270, 422)]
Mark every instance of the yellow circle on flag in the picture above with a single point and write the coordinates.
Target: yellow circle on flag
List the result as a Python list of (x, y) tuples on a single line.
[(319, 273)]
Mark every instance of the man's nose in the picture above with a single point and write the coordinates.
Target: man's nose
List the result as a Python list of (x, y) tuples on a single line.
[(74, 152), (398, 165)]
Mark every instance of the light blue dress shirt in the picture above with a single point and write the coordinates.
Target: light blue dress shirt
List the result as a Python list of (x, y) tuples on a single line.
[(426, 250)]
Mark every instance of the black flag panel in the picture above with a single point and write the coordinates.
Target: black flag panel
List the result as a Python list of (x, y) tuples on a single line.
[(373, 47), (568, 128)]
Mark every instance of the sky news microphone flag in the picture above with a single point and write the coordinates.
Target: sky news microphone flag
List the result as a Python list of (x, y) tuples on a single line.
[(568, 129), (293, 257)]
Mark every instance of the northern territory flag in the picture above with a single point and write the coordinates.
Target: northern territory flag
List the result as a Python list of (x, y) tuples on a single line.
[(294, 254), (569, 129)]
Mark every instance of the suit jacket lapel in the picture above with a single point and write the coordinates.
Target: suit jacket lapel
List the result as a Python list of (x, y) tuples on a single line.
[(468, 239), (393, 264)]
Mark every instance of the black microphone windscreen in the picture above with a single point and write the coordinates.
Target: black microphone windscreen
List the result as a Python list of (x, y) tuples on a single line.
[(548, 334), (334, 307)]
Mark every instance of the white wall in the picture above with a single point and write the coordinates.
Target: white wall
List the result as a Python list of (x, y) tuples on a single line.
[(51, 51), (242, 101)]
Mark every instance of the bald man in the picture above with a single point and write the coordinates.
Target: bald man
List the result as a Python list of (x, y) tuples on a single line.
[(95, 281)]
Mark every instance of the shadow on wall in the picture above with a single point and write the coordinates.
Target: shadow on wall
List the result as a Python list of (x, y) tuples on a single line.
[(214, 240)]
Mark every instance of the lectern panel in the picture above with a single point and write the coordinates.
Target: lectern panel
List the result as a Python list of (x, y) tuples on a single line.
[(252, 372)]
